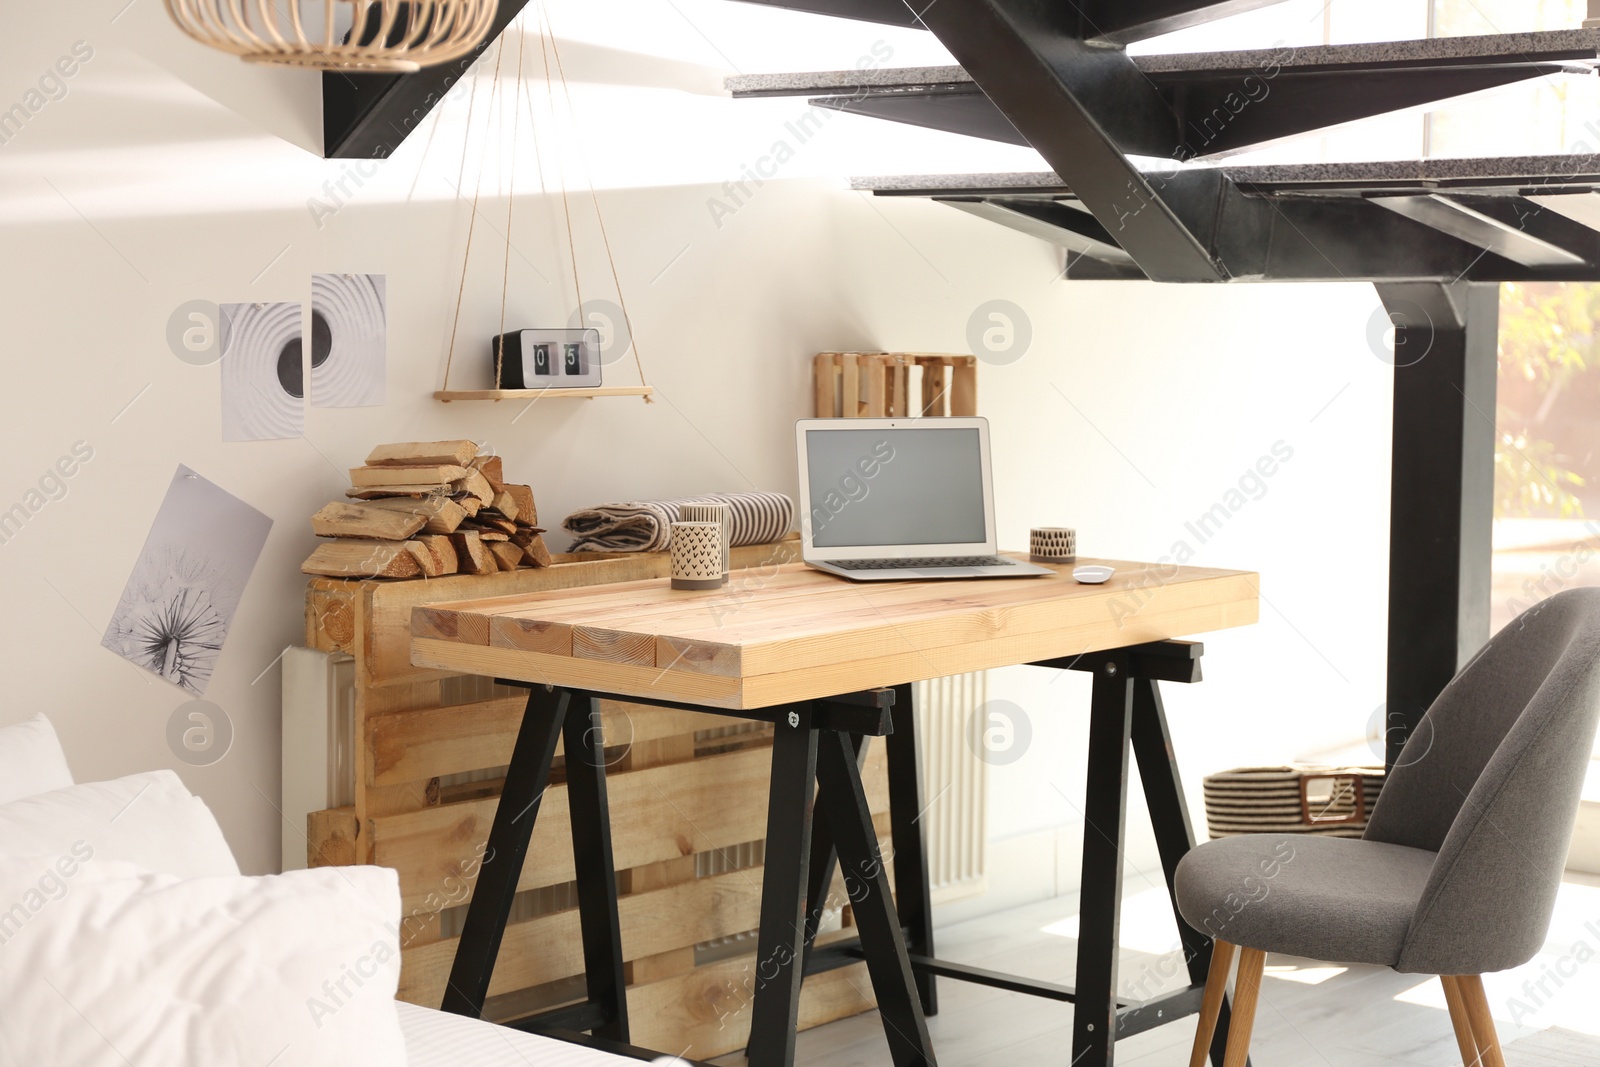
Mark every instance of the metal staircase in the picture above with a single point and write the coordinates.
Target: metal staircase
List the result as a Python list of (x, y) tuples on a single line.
[(1141, 188)]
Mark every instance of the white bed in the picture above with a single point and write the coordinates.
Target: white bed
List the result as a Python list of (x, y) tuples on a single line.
[(129, 935), (439, 1039)]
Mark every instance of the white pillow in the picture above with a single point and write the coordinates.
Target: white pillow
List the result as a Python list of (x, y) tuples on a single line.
[(115, 966), (149, 819), (31, 760)]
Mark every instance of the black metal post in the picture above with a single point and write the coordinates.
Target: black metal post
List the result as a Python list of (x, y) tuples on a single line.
[(1105, 808), (906, 810), (596, 875), (527, 777), (1169, 817), (1442, 495), (781, 944), (840, 793)]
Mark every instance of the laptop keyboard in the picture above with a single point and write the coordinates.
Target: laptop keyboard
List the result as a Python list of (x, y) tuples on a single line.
[(922, 564)]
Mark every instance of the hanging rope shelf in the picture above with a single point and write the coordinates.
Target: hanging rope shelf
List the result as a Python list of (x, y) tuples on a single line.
[(548, 48)]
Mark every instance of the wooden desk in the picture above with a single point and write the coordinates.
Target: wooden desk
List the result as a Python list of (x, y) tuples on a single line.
[(830, 664)]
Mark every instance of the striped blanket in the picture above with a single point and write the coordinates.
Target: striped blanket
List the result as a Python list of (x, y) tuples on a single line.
[(646, 525)]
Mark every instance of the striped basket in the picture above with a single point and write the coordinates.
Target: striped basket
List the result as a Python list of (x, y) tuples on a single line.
[(1298, 799)]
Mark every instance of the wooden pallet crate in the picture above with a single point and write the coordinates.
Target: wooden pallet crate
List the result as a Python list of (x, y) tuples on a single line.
[(894, 385), (688, 794)]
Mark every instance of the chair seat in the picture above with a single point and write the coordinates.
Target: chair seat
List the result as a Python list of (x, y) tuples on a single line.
[(1336, 899)]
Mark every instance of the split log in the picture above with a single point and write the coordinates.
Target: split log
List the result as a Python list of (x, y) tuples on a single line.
[(436, 554), (508, 555), (533, 546), (489, 522), (340, 519), (416, 492), (352, 558), (526, 511), (433, 474), (440, 514), (414, 453), (506, 505), (492, 468), (474, 556), (475, 484)]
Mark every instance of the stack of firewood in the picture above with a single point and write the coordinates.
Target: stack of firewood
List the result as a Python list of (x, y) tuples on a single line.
[(425, 509)]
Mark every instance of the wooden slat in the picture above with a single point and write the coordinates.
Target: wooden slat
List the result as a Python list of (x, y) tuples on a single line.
[(433, 742), (850, 385), (331, 837), (653, 922), (964, 388), (674, 811), (877, 368), (824, 370), (549, 947), (707, 1013)]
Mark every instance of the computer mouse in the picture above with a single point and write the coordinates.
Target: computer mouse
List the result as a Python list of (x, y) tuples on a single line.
[(1092, 575)]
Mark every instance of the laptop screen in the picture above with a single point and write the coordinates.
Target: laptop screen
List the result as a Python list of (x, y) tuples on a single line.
[(895, 487)]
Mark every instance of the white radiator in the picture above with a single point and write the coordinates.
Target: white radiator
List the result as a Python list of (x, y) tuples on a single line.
[(955, 784), (319, 768)]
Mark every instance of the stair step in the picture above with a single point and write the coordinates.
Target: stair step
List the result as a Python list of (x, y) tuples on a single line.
[(1540, 212), (888, 12), (1103, 21), (1545, 179), (1225, 102)]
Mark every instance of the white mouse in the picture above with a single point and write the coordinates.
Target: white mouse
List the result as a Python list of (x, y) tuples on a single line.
[(1092, 575)]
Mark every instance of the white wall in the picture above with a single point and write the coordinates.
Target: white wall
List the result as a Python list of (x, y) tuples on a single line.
[(139, 191)]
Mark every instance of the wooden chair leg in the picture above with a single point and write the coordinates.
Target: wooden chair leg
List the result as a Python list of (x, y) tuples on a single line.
[(1482, 1021), (1222, 953), (1246, 991), (1460, 1019)]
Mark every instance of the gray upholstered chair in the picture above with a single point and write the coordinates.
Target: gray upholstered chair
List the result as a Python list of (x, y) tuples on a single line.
[(1458, 870)]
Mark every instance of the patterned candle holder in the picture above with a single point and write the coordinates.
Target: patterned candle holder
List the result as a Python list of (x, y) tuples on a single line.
[(721, 514), (1053, 544), (697, 555)]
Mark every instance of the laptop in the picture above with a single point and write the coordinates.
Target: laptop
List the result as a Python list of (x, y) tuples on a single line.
[(894, 499)]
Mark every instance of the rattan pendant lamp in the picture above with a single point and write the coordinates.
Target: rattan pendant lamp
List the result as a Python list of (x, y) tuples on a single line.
[(397, 36)]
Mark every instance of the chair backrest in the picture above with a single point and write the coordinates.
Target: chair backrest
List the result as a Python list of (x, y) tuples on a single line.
[(1491, 781)]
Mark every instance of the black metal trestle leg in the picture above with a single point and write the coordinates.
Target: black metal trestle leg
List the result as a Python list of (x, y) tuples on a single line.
[(526, 780), (1105, 817), (906, 809), (596, 876), (841, 795), (1169, 817), (824, 858), (781, 944)]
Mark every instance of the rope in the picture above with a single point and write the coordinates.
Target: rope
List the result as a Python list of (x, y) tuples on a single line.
[(466, 140), (566, 204), (473, 224), (611, 261), (511, 199)]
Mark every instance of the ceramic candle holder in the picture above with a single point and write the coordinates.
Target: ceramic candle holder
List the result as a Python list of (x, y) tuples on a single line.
[(697, 555), (1053, 544), (721, 514)]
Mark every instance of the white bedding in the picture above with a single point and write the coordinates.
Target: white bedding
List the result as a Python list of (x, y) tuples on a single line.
[(439, 1039)]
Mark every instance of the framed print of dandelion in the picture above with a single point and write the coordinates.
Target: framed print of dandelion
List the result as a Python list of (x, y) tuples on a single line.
[(186, 585)]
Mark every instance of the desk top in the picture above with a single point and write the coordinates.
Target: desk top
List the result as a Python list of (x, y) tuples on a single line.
[(788, 633)]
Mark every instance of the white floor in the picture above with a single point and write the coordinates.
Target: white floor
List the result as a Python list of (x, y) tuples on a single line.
[(1311, 1015)]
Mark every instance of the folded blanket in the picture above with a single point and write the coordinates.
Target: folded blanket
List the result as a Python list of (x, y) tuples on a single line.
[(646, 525)]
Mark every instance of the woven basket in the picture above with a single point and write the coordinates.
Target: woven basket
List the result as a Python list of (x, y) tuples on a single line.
[(1299, 799)]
